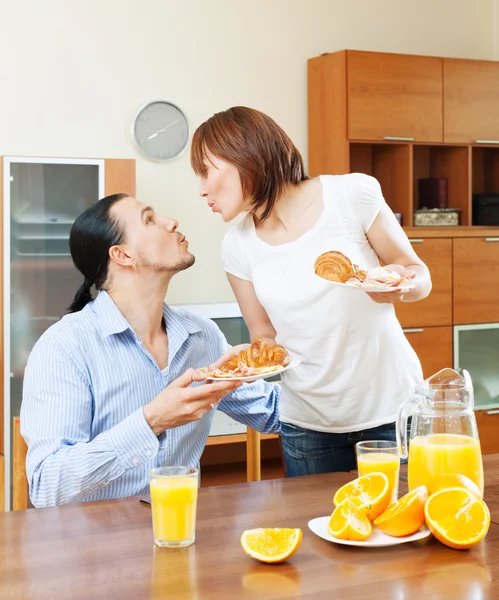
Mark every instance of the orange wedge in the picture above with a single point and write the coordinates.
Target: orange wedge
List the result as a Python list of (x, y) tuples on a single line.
[(449, 480), (348, 522), (406, 516), (271, 545), (370, 493), (457, 517)]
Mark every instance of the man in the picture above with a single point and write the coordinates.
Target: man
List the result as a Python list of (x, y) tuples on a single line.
[(107, 390)]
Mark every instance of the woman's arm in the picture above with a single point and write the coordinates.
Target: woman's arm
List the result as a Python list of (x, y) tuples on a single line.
[(254, 315), (395, 250)]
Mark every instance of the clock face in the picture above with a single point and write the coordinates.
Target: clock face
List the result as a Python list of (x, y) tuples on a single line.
[(161, 131)]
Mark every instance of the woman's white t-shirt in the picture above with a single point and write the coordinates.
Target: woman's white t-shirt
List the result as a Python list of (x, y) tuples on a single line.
[(357, 366)]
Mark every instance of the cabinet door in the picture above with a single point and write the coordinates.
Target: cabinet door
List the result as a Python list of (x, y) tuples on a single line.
[(436, 309), (488, 428), (394, 96), (476, 280), (471, 100), (433, 345)]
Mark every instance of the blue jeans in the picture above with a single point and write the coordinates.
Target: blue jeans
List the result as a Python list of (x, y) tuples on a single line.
[(308, 452)]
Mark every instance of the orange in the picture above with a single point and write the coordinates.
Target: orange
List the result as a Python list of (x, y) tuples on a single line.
[(406, 516), (449, 480), (457, 517), (370, 493), (271, 545), (348, 522)]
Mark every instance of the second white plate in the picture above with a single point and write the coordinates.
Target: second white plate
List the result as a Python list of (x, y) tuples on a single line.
[(251, 378), (371, 288), (377, 539)]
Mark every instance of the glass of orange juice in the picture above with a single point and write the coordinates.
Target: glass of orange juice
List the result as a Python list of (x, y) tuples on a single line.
[(380, 457), (174, 494)]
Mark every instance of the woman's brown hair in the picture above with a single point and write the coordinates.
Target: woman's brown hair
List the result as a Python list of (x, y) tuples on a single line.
[(262, 152)]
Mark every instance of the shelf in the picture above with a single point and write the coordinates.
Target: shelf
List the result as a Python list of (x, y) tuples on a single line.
[(216, 440), (391, 165), (451, 232), (451, 163)]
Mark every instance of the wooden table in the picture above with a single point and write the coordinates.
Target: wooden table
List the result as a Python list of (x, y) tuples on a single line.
[(105, 550)]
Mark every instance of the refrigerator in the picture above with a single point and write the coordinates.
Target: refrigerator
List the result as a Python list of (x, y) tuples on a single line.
[(41, 199)]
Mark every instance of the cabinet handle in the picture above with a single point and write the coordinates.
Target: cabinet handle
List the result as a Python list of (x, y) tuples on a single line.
[(492, 239), (493, 412), (416, 330), (396, 138), (486, 141), (416, 240)]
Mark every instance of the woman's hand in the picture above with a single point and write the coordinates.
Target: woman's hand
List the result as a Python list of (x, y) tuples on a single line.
[(396, 295)]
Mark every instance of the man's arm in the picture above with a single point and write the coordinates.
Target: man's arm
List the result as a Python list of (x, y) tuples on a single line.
[(256, 405), (64, 464)]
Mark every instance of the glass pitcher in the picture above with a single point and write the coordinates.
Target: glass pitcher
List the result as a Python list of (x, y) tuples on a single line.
[(444, 436)]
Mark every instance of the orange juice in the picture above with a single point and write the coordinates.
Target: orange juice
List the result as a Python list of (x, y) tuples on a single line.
[(442, 453), (174, 502), (381, 462)]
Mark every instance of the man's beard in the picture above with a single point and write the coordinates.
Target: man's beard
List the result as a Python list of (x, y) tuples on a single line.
[(181, 265)]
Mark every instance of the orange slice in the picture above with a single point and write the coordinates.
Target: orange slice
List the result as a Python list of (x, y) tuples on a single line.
[(271, 545), (370, 493), (406, 516), (449, 480), (348, 522), (457, 517)]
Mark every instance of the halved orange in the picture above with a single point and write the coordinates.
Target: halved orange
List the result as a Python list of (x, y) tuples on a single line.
[(457, 517), (271, 545), (406, 516), (449, 480), (348, 522), (370, 493)]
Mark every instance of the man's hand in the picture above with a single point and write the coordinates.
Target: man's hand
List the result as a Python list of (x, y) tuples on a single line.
[(179, 404)]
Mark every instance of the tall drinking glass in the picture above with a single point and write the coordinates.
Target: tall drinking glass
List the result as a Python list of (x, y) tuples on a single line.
[(380, 457), (174, 494)]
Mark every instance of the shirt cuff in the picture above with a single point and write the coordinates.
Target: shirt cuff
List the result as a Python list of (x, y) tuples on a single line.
[(133, 440)]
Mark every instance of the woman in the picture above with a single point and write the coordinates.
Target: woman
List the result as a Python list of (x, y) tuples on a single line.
[(357, 366)]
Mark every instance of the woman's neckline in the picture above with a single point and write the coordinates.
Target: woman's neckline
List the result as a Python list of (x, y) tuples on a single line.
[(304, 235)]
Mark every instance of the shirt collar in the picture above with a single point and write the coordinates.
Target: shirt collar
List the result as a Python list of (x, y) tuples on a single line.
[(179, 324)]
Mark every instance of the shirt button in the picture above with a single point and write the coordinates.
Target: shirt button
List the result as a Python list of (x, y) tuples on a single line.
[(149, 453), (135, 460)]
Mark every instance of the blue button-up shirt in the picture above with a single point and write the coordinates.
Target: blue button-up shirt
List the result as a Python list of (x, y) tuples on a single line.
[(85, 384)]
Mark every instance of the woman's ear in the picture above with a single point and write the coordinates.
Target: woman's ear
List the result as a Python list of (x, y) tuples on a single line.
[(118, 255)]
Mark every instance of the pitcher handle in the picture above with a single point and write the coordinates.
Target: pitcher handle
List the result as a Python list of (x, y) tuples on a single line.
[(402, 417)]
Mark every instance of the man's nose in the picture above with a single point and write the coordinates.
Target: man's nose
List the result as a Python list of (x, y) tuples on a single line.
[(171, 225)]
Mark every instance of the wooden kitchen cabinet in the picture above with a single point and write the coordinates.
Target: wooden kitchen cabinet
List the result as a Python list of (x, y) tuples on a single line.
[(394, 96), (471, 100), (433, 345), (476, 280), (436, 309), (488, 428)]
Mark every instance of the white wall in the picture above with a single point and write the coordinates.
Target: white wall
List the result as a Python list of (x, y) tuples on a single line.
[(73, 74)]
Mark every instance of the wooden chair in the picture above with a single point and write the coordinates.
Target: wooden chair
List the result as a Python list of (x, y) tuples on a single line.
[(20, 495), (253, 454)]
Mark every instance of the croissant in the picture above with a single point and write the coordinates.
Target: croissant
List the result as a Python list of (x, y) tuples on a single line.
[(335, 266), (259, 354)]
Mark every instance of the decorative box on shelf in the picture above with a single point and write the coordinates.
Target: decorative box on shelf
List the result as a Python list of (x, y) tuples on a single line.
[(436, 217)]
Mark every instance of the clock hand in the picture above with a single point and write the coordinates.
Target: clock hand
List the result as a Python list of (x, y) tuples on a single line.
[(165, 128)]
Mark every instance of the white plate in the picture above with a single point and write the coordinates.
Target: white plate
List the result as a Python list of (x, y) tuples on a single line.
[(377, 539), (250, 378), (372, 288)]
